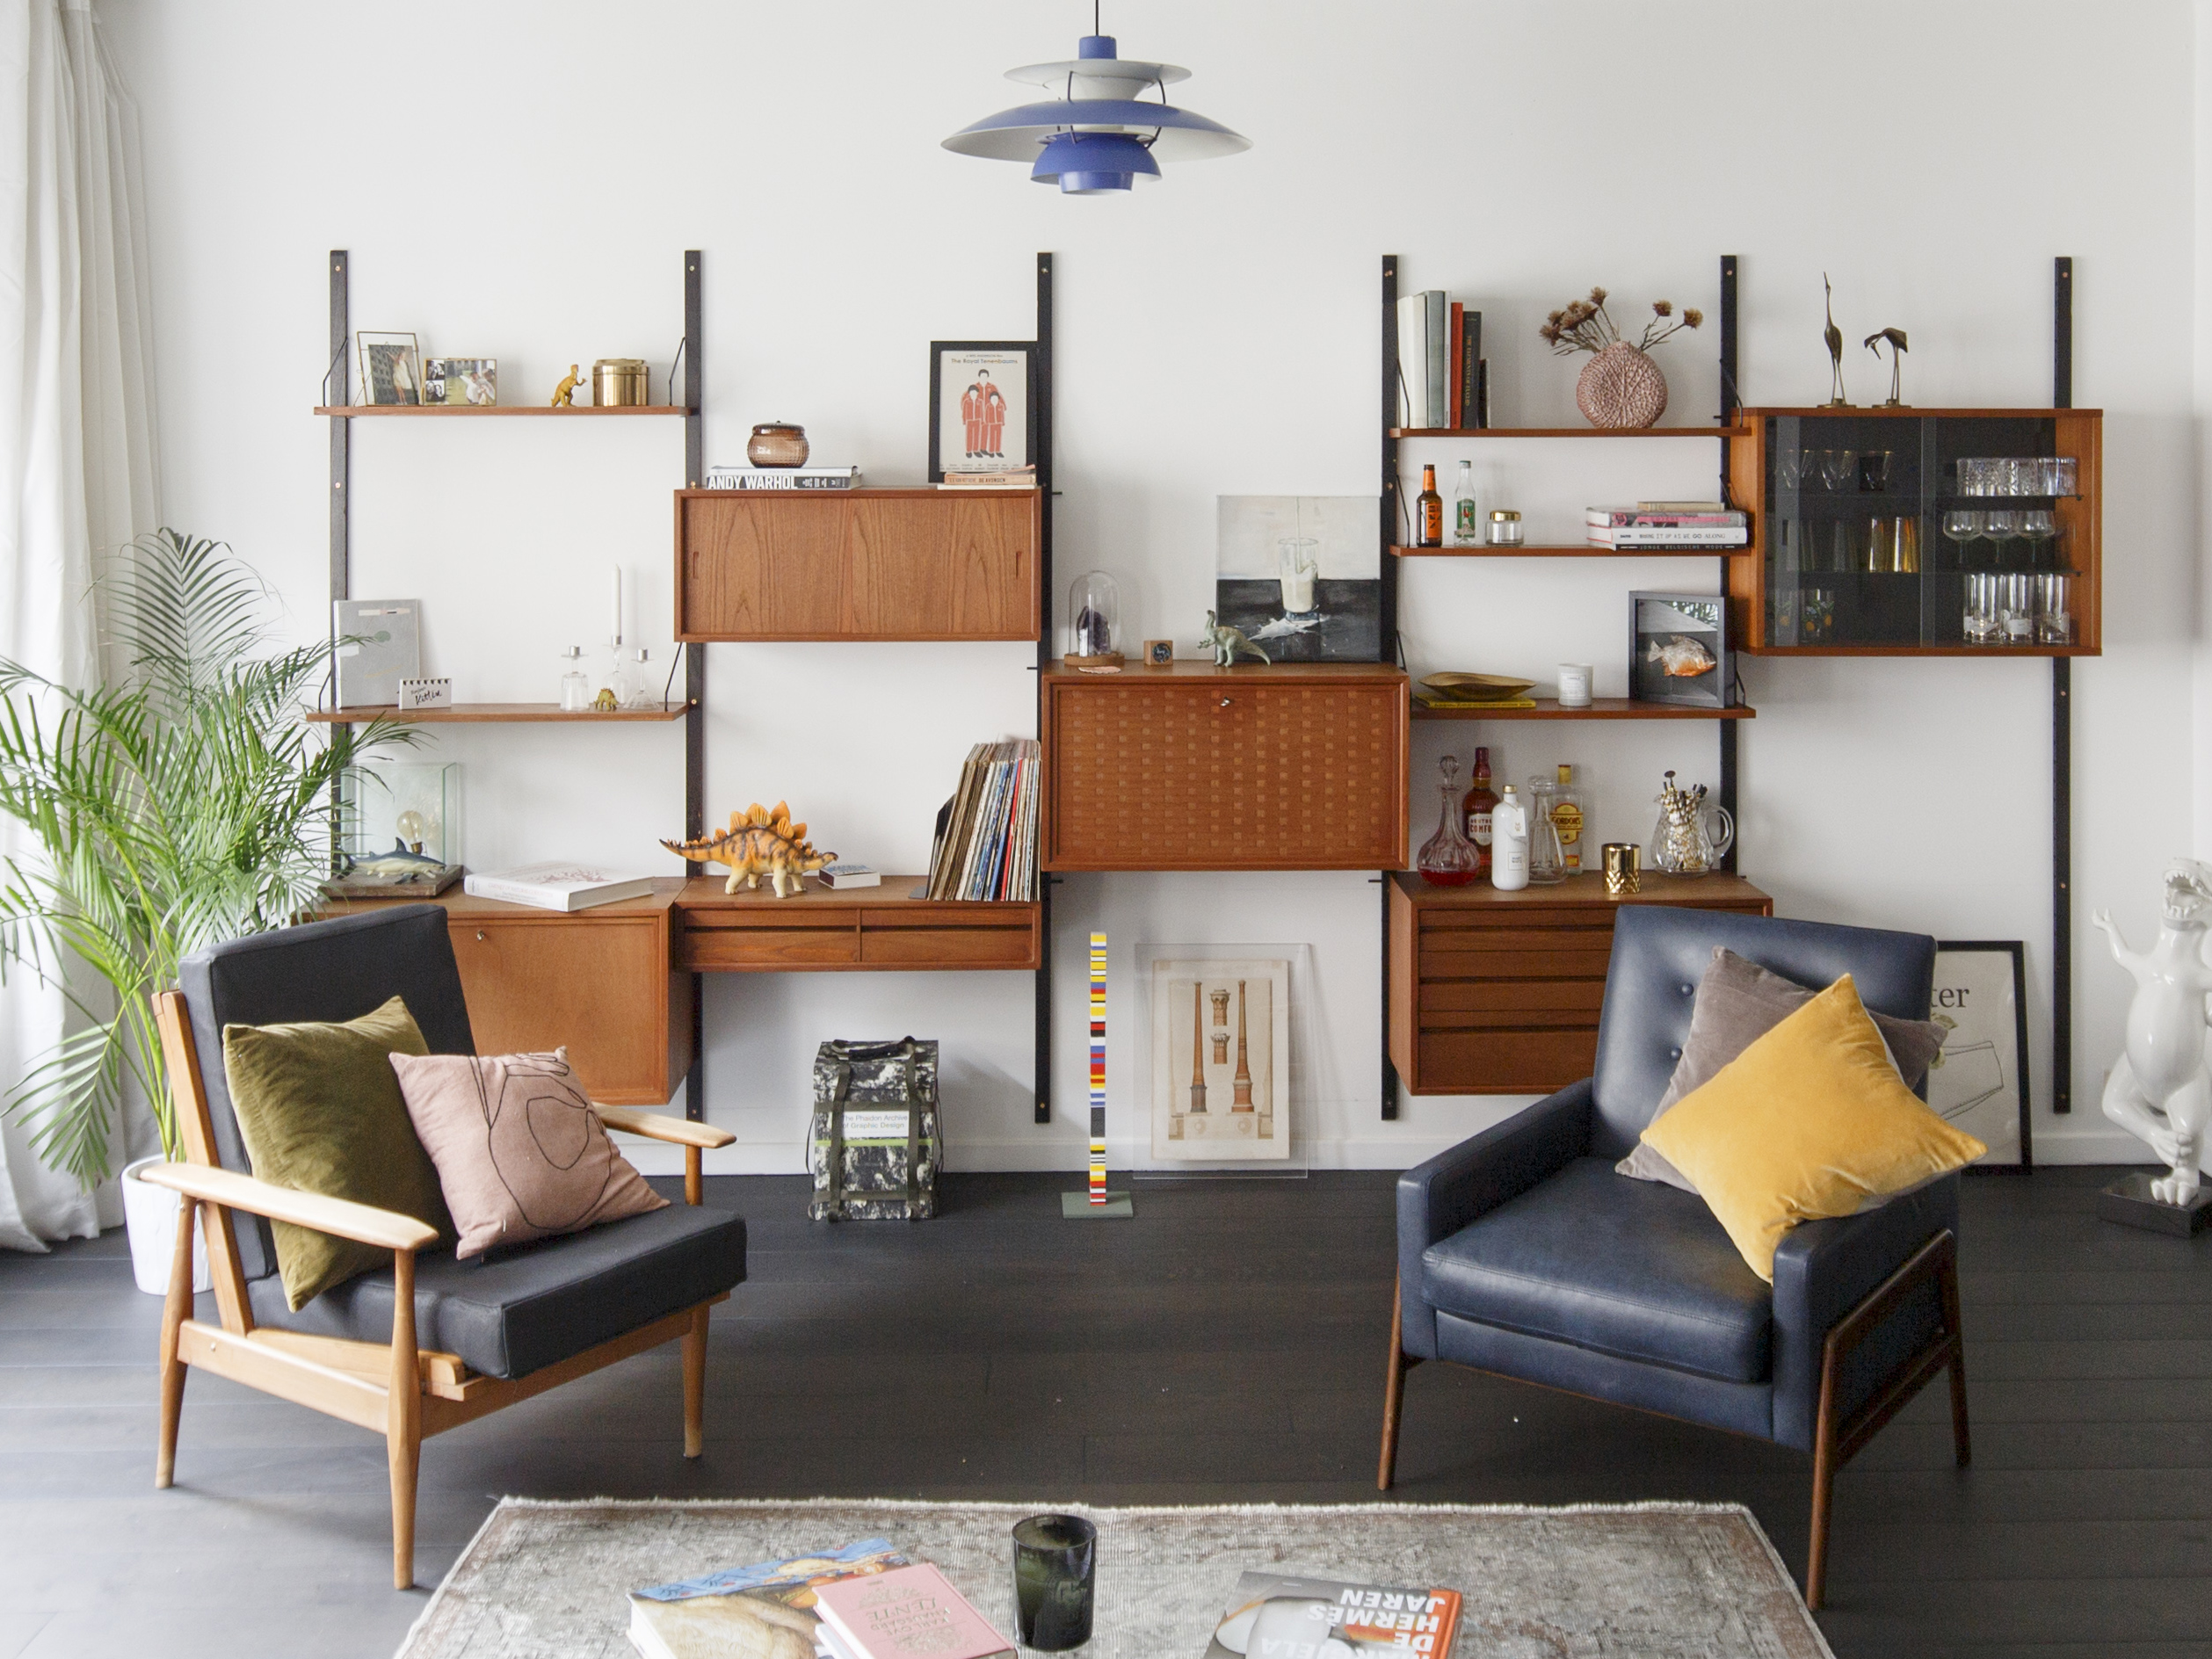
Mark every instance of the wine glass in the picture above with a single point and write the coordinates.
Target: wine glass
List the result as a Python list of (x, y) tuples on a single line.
[(2039, 527), (1962, 526), (1835, 468), (1790, 469), (2003, 527)]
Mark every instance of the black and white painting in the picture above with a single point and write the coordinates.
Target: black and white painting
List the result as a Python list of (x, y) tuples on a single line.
[(1301, 577), (1979, 1079)]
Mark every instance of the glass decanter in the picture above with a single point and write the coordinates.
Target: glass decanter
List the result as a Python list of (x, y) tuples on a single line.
[(1448, 859), (1547, 858)]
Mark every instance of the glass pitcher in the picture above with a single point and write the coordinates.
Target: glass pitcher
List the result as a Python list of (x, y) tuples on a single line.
[(1690, 837), (1547, 858)]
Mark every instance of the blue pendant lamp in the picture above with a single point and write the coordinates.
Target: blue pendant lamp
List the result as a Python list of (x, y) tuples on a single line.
[(1099, 133)]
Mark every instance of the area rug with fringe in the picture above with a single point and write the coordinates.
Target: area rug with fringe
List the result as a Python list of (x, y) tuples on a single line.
[(1657, 1581)]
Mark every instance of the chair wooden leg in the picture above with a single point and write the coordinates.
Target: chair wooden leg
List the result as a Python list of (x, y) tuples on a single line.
[(404, 1424), (695, 1385), (1962, 1442), (1393, 1392), (1823, 1500), (174, 1311)]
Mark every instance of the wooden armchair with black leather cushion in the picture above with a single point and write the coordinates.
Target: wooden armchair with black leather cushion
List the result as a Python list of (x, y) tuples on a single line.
[(431, 1342)]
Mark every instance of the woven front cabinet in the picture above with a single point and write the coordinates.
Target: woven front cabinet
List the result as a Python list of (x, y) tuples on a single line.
[(1250, 768)]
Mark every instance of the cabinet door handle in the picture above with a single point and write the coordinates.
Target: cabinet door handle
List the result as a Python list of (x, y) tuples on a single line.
[(1226, 701), (480, 936)]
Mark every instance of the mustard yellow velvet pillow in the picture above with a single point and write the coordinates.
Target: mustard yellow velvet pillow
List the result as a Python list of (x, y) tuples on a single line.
[(1809, 1122)]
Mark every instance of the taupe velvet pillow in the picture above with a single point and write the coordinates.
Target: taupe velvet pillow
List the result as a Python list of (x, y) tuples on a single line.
[(519, 1151), (319, 1111), (1738, 1002)]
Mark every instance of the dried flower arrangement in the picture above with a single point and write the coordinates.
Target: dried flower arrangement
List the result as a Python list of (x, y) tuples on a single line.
[(1584, 325)]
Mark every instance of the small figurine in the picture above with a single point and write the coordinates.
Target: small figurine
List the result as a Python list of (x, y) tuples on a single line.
[(607, 702), (564, 393), (2159, 1090), (1896, 336), (1834, 337), (1225, 642), (759, 843)]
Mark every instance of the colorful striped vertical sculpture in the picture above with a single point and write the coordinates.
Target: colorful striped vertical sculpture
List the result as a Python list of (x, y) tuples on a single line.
[(1098, 1067)]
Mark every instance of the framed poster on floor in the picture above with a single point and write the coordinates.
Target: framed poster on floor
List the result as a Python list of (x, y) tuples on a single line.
[(1979, 1079)]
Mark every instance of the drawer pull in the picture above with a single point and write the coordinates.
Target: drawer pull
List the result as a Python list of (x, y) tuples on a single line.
[(1226, 701), (480, 936)]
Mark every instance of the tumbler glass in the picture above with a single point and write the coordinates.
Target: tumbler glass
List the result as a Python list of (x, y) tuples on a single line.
[(2062, 473), (2016, 609), (1055, 1581), (2055, 609), (1835, 468), (1817, 616), (1983, 625), (1874, 471)]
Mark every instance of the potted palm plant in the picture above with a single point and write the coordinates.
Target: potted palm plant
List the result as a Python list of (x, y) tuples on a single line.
[(189, 804)]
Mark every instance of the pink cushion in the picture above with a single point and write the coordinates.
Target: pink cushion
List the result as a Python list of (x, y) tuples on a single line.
[(519, 1151)]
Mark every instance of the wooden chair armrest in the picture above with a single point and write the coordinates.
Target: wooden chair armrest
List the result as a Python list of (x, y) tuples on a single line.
[(363, 1223), (659, 1126)]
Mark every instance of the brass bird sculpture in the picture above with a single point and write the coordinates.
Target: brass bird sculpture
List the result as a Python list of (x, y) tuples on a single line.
[(1897, 348), (1834, 337)]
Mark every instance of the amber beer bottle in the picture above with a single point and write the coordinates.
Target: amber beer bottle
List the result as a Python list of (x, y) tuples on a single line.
[(1432, 506), (1475, 807)]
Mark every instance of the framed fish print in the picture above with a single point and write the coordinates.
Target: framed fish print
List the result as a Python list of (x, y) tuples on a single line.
[(981, 393), (1979, 1079), (1679, 649)]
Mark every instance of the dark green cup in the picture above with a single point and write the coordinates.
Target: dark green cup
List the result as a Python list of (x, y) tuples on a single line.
[(1055, 1574)]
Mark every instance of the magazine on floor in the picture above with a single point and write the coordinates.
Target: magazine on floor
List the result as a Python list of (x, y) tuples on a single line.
[(1274, 1617), (765, 1611)]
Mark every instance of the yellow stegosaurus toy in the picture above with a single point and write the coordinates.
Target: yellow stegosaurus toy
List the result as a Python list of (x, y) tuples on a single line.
[(759, 843)]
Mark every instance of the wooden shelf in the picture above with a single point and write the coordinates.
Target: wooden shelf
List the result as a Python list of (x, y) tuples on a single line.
[(1601, 708), (1566, 431), (348, 411), (491, 713), (1585, 551), (1720, 890)]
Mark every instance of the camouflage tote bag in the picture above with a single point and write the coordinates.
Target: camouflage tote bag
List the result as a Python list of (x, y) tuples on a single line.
[(873, 1151)]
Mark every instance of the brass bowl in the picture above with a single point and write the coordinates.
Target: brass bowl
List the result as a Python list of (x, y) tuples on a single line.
[(777, 444), (1478, 688)]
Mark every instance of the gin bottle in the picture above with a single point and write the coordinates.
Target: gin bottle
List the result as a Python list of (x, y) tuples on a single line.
[(1467, 525)]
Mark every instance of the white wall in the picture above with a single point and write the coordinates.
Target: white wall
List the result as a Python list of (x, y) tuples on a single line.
[(519, 179)]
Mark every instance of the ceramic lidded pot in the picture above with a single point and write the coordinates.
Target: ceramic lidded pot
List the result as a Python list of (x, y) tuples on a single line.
[(777, 444)]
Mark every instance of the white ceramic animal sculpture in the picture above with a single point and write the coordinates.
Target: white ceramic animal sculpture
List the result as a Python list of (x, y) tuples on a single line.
[(2159, 1090)]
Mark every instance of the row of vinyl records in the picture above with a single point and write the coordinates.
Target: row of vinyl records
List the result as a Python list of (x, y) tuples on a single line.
[(986, 843)]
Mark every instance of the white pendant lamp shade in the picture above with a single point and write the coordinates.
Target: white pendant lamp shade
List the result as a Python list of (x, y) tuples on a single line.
[(1099, 133)]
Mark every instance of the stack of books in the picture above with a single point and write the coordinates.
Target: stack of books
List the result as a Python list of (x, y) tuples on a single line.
[(1004, 478), (1443, 381), (1662, 525), (783, 478), (986, 844)]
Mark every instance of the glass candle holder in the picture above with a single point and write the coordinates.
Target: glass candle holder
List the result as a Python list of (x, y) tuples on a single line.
[(1055, 1581)]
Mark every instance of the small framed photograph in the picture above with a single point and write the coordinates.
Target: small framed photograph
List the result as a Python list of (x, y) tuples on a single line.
[(459, 381), (1979, 1079), (391, 368), (982, 396), (1159, 653), (1679, 649)]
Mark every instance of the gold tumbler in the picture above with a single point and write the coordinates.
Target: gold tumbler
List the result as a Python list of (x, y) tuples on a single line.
[(618, 382), (1624, 869)]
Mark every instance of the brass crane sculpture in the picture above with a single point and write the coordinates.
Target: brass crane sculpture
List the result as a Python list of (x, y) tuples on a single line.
[(1834, 337), (1872, 342)]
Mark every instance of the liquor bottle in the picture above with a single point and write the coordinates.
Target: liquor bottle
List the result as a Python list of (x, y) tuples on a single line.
[(1509, 865), (1566, 817), (1431, 510), (1481, 799), (1467, 525)]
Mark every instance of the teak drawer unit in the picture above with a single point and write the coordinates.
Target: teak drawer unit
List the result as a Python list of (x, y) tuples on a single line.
[(598, 981), (857, 564), (879, 927), (1498, 992), (1248, 768)]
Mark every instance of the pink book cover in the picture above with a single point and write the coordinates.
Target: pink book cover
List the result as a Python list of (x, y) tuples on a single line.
[(913, 1612)]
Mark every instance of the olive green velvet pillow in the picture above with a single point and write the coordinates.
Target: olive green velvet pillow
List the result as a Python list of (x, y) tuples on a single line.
[(321, 1112)]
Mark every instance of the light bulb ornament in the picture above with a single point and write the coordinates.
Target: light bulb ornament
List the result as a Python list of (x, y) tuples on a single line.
[(1101, 134)]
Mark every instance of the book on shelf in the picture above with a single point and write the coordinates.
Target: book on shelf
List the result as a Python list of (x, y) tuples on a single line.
[(783, 478), (1425, 322), (848, 873), (1431, 699), (985, 845), (1683, 506), (1688, 515), (1623, 537), (1004, 478), (910, 1612), (557, 885), (1271, 1614), (766, 1608)]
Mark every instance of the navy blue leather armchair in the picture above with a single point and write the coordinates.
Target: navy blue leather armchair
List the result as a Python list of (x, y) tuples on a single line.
[(1522, 1253)]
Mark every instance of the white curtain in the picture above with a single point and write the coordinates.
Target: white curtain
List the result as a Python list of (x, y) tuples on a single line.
[(78, 478)]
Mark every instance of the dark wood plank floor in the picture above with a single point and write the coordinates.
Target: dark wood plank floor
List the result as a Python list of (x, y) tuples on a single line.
[(1226, 1344)]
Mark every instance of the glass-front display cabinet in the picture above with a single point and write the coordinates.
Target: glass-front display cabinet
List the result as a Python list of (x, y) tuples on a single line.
[(1918, 532)]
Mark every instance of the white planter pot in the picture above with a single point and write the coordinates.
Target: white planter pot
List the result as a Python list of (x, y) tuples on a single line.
[(151, 1214)]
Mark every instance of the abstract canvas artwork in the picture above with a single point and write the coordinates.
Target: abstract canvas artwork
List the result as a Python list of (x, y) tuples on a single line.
[(1300, 575), (1221, 1061)]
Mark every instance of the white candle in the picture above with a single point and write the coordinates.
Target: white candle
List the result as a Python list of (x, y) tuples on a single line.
[(617, 637)]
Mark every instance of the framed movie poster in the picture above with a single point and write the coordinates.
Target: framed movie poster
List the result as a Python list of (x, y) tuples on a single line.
[(1979, 1079), (982, 395)]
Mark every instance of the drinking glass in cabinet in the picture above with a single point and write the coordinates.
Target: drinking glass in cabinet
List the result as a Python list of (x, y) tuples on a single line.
[(1835, 468), (2039, 528), (2058, 475), (1983, 623), (2016, 608), (2000, 527), (1874, 471), (1808, 467), (1789, 469), (1893, 546), (1816, 610), (1962, 526), (2055, 609)]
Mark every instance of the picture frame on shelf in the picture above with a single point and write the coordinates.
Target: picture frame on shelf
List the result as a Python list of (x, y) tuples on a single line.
[(1300, 575), (1979, 1082), (461, 382), (391, 368), (1221, 1059), (1679, 649), (982, 407)]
